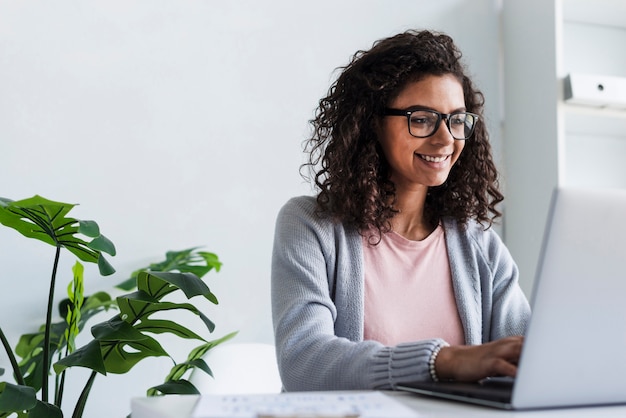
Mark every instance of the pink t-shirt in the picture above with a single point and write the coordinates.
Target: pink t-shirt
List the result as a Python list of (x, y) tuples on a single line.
[(408, 291)]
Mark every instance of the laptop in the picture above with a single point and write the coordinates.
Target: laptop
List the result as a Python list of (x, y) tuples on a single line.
[(574, 351)]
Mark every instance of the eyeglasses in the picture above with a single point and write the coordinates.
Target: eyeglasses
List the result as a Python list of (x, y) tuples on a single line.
[(424, 123)]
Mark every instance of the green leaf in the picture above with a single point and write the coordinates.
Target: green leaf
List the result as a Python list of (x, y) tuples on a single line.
[(201, 350), (116, 329), (46, 220), (27, 343), (211, 260), (195, 358), (128, 284), (174, 387), (106, 269), (159, 284), (139, 306), (186, 261), (89, 228), (201, 364), (45, 410), (36, 217), (75, 293), (96, 303), (30, 348), (160, 326), (116, 349), (89, 356), (102, 244), (14, 398), (123, 356), (180, 369)]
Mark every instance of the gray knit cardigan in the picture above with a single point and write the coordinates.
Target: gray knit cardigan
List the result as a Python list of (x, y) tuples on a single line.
[(317, 302)]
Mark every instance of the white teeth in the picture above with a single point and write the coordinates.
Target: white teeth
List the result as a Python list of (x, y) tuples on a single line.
[(432, 159)]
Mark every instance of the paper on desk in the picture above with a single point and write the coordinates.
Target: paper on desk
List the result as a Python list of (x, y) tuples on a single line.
[(302, 404)]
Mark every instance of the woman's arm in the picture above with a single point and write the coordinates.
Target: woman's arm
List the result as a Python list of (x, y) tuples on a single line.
[(485, 272), (316, 310)]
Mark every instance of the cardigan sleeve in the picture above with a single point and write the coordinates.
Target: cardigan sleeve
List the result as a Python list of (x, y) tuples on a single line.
[(490, 301), (314, 306), (510, 310)]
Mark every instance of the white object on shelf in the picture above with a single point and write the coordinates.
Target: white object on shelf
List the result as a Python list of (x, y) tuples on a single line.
[(595, 90)]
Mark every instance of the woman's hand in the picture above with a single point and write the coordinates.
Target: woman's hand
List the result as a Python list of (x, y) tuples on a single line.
[(470, 363)]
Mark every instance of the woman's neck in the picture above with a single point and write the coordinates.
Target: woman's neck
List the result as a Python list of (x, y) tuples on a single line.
[(410, 221)]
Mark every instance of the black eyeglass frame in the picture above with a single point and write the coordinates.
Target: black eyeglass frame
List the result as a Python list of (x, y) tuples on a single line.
[(389, 111)]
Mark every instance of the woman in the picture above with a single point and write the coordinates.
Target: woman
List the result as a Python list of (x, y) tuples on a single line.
[(391, 273)]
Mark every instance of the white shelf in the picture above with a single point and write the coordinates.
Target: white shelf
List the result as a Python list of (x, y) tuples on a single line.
[(570, 144), (587, 120)]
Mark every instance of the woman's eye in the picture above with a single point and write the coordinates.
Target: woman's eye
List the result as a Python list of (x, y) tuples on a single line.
[(423, 118), (457, 120), (419, 120)]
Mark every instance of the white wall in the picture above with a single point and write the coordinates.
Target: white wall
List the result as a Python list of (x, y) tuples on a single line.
[(178, 124)]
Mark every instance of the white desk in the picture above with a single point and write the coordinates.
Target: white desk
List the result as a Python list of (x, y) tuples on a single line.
[(181, 406)]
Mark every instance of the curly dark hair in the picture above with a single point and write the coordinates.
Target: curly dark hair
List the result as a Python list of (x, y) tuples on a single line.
[(345, 157)]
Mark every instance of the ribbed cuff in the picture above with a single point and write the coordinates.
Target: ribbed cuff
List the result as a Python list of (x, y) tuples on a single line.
[(408, 362), (433, 358)]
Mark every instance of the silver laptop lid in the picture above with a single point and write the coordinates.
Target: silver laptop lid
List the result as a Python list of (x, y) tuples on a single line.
[(575, 348)]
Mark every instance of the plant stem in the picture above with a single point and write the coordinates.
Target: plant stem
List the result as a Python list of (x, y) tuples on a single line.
[(59, 394), (82, 400), (16, 368), (59, 384), (46, 344)]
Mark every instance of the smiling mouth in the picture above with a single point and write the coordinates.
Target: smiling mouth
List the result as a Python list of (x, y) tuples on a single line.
[(431, 159)]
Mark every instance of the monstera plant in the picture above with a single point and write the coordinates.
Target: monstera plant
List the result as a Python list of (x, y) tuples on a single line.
[(119, 343)]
